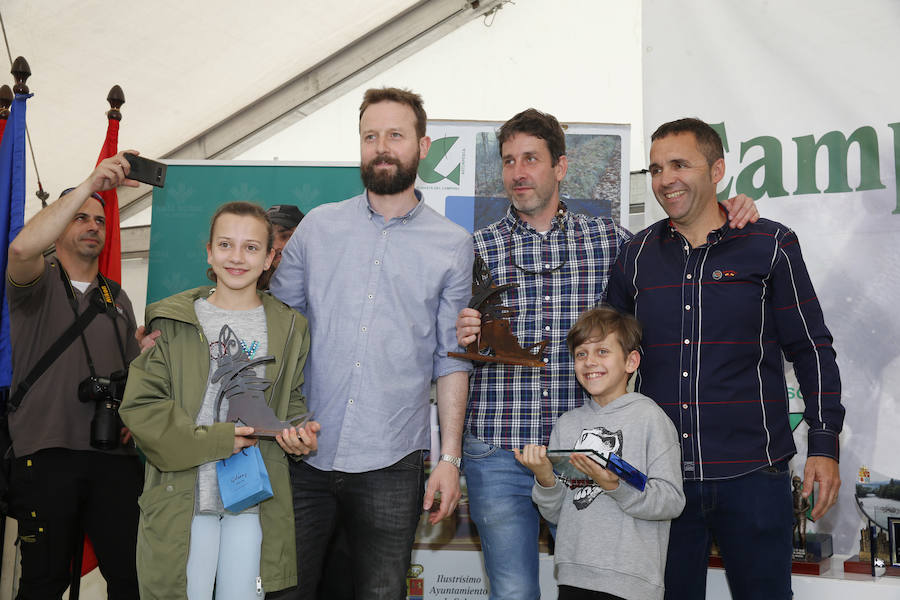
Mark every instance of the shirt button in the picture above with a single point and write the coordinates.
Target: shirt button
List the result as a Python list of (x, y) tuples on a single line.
[(684, 406), (687, 341), (377, 262), (546, 328), (546, 360), (364, 328), (404, 221), (371, 296), (546, 393), (689, 276), (547, 298), (684, 373), (350, 401), (384, 232), (687, 307), (684, 435), (357, 364), (546, 266), (686, 248)]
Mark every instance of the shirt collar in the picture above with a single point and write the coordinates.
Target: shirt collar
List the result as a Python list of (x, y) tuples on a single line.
[(410, 215), (561, 216), (712, 238), (94, 282)]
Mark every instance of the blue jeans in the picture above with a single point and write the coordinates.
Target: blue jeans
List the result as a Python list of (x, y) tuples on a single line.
[(751, 519), (224, 554), (380, 511), (507, 520)]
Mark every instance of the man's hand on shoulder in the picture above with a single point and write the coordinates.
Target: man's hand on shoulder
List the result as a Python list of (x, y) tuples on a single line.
[(146, 340), (443, 481), (824, 470), (741, 210)]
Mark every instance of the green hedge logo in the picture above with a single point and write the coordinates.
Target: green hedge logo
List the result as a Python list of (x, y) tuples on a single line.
[(439, 150)]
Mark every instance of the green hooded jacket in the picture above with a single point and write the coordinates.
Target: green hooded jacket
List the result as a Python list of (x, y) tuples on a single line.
[(165, 389)]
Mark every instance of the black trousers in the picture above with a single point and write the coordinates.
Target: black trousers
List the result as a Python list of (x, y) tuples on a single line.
[(567, 592), (55, 495)]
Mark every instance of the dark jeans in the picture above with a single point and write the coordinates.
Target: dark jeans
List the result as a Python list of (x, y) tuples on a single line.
[(751, 519), (380, 511), (567, 592), (59, 494)]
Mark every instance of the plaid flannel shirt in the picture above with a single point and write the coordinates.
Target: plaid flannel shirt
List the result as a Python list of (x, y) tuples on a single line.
[(510, 406)]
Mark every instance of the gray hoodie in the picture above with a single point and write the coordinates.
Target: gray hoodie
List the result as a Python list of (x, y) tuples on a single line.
[(616, 541)]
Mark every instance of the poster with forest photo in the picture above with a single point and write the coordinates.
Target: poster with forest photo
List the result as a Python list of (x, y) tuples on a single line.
[(462, 176)]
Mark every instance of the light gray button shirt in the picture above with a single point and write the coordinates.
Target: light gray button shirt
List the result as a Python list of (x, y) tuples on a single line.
[(381, 300)]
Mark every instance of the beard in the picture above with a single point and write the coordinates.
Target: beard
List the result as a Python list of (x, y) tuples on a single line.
[(385, 183)]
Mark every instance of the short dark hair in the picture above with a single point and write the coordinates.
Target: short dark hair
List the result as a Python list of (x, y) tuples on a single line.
[(601, 322), (538, 124), (708, 141), (241, 209), (401, 96), (96, 196)]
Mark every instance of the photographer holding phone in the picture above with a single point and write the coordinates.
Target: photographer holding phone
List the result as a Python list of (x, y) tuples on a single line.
[(72, 331)]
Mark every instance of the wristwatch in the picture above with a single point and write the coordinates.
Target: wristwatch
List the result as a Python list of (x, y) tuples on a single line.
[(453, 460)]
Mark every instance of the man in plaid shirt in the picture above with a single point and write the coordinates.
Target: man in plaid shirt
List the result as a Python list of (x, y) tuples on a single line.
[(560, 262)]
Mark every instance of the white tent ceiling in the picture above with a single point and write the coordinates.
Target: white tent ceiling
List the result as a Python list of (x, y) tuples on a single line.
[(201, 79)]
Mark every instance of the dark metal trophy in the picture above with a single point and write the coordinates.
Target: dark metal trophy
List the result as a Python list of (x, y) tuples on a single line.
[(801, 508), (245, 391), (811, 551), (496, 343)]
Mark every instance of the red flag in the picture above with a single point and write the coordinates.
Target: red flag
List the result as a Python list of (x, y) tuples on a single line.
[(89, 559), (111, 256), (111, 267)]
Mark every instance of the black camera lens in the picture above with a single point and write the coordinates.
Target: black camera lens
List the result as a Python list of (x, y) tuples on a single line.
[(105, 425), (106, 393)]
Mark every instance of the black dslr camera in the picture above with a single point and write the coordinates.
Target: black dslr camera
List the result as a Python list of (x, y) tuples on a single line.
[(106, 393)]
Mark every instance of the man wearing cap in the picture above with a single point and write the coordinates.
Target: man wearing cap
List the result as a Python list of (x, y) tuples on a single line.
[(284, 219), (60, 482)]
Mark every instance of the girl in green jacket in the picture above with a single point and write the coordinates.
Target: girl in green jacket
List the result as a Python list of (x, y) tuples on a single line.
[(188, 544)]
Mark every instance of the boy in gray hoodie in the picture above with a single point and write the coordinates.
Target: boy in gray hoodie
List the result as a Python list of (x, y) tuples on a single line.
[(611, 539)]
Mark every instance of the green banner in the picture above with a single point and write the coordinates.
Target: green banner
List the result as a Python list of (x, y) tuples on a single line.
[(183, 208)]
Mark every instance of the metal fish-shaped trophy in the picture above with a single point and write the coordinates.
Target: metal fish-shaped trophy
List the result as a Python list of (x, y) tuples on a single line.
[(245, 391), (496, 343)]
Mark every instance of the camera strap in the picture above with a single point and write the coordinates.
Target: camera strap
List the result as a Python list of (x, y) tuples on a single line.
[(108, 290)]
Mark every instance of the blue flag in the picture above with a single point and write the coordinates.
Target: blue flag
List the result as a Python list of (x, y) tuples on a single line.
[(12, 213)]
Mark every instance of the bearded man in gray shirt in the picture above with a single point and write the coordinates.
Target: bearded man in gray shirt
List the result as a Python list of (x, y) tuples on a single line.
[(381, 278)]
